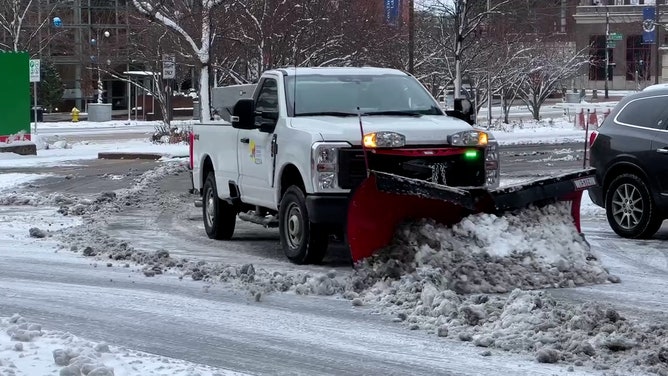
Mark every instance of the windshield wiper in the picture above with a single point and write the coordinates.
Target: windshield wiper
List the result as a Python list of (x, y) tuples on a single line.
[(394, 113), (327, 113)]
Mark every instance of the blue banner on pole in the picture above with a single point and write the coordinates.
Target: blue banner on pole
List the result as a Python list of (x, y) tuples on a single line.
[(392, 11), (648, 25)]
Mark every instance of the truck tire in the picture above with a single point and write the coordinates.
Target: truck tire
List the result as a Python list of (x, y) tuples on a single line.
[(219, 216), (630, 208), (303, 242)]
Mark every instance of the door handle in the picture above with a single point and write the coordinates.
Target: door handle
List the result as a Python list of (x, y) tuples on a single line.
[(245, 140), (662, 150)]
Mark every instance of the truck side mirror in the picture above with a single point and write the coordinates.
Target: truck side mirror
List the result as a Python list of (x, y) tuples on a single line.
[(267, 122), (243, 114), (464, 108)]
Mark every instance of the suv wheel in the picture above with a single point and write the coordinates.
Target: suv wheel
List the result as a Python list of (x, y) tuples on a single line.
[(303, 242), (630, 208)]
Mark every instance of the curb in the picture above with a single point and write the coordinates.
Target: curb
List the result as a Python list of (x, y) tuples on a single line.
[(121, 155), (23, 149)]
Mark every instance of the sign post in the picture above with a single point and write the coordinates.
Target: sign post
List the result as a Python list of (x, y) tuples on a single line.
[(168, 73), (35, 76)]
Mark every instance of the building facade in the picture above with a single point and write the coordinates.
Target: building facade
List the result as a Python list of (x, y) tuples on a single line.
[(91, 42), (633, 62)]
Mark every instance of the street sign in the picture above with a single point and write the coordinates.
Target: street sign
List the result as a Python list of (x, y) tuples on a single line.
[(34, 70), (611, 45), (615, 36), (168, 66)]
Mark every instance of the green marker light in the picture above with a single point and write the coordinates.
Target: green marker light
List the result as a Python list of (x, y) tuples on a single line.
[(471, 154)]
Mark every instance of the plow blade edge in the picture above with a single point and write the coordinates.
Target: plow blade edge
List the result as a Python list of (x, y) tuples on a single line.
[(383, 201)]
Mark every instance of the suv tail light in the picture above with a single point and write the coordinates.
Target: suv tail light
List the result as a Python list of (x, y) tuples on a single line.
[(592, 138)]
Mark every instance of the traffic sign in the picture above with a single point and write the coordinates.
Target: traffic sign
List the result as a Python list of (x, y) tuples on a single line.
[(615, 36), (611, 45), (168, 66), (34, 70)]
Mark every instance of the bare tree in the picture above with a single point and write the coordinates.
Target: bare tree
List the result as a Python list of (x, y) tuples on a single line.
[(21, 21), (178, 16), (545, 69), (460, 26)]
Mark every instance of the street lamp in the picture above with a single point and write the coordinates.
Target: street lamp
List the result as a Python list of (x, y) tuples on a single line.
[(95, 42)]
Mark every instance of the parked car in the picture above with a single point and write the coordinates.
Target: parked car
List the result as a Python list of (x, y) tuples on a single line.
[(630, 153)]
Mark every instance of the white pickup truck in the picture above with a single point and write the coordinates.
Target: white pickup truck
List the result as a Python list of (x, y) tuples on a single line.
[(293, 153)]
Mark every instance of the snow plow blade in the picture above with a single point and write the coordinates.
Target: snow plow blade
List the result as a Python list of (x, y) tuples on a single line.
[(383, 201)]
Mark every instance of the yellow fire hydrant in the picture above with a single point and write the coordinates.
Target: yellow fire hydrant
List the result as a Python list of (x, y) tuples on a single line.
[(75, 114)]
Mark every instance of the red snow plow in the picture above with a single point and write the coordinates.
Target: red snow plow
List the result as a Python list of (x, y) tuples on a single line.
[(384, 200)]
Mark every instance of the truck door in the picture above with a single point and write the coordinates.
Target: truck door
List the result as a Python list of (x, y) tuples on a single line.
[(255, 150)]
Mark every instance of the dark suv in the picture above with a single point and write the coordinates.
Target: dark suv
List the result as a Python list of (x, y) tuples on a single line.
[(630, 154)]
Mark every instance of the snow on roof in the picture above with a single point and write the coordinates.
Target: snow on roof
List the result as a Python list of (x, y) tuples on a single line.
[(291, 71)]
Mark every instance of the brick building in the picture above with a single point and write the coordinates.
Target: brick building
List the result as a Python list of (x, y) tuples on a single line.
[(633, 63)]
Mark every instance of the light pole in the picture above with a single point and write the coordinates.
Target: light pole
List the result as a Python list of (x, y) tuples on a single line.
[(96, 43), (411, 37), (607, 50)]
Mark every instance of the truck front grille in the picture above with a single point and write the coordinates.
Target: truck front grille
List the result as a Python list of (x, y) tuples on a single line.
[(454, 170)]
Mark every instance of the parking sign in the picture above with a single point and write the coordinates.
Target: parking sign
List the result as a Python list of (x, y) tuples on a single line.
[(168, 66), (34, 70)]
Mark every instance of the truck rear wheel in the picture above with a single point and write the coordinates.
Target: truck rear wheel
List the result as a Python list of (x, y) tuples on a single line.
[(303, 242), (219, 216)]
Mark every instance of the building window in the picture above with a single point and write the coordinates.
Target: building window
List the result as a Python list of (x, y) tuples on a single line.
[(638, 57), (597, 58)]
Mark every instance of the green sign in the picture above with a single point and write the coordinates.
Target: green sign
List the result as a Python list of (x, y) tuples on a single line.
[(615, 36), (611, 45), (14, 94)]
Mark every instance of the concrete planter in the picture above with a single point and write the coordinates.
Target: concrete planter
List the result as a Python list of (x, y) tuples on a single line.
[(99, 112)]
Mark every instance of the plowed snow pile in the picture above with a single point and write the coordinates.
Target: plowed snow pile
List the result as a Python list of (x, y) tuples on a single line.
[(529, 249)]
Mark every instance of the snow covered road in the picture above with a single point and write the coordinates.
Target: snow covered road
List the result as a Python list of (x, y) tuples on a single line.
[(182, 319)]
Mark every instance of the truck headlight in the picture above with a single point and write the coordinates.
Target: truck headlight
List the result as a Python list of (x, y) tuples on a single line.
[(325, 165), (469, 138), (384, 140)]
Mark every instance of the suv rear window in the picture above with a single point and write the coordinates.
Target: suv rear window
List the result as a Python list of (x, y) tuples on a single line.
[(645, 112)]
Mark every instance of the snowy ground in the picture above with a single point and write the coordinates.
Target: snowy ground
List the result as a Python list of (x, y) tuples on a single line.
[(485, 282)]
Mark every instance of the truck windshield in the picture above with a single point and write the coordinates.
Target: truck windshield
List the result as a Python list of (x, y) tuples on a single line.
[(388, 95)]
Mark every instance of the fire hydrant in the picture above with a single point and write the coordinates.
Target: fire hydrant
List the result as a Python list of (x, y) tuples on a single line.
[(75, 114)]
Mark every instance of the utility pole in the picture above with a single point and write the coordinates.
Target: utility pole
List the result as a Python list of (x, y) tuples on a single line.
[(489, 77), (411, 36), (607, 50)]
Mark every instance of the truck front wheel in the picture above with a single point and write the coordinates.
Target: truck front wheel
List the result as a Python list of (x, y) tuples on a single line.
[(302, 241), (219, 216)]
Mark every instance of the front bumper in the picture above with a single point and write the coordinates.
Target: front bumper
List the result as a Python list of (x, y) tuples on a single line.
[(327, 209)]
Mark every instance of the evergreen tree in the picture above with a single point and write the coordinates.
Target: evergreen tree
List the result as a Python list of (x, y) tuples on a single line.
[(50, 87)]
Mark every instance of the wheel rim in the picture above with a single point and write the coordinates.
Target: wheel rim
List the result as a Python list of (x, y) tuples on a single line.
[(210, 211), (627, 206), (294, 226)]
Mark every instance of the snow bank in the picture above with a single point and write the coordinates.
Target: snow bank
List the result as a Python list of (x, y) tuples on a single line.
[(25, 346)]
